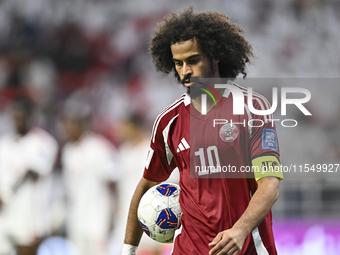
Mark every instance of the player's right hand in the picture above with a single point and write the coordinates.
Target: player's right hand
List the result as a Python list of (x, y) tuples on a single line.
[(228, 242)]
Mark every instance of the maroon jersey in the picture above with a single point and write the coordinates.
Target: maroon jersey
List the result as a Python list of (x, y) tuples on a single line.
[(212, 199)]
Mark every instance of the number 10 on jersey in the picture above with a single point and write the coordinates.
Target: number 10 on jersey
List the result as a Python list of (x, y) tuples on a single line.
[(214, 165)]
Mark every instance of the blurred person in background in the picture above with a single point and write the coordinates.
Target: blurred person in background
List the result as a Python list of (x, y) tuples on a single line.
[(132, 153), (90, 176), (27, 157)]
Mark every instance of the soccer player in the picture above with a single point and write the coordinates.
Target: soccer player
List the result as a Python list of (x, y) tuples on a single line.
[(27, 158), (90, 175), (220, 215)]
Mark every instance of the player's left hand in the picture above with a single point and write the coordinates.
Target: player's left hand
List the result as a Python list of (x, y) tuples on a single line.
[(227, 242)]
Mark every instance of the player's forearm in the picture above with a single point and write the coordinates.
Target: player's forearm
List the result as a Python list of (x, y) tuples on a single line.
[(133, 230), (259, 206)]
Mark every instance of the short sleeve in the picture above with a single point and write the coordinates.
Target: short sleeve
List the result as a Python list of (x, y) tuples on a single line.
[(159, 162), (263, 138), (42, 151), (103, 157)]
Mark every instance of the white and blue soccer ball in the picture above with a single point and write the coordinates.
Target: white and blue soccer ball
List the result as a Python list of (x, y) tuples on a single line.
[(159, 212)]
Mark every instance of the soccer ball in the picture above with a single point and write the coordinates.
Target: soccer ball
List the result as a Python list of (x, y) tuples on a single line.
[(159, 212)]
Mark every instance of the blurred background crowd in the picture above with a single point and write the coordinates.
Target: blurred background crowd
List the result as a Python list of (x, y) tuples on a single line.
[(94, 94)]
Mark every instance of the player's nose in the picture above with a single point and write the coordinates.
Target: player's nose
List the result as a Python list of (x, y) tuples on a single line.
[(187, 70)]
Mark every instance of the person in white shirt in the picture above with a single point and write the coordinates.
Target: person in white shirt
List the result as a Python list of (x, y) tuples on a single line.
[(27, 157), (90, 176)]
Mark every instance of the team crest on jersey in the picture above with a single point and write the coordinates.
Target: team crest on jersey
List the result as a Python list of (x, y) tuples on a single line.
[(229, 132)]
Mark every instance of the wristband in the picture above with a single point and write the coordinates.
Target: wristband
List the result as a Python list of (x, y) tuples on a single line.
[(129, 249)]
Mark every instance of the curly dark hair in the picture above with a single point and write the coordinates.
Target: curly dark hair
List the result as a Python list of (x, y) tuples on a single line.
[(218, 37)]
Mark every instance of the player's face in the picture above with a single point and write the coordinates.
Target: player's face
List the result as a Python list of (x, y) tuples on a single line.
[(21, 120), (190, 62), (73, 129)]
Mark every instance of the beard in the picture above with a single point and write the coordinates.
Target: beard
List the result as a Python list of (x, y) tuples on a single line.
[(194, 90)]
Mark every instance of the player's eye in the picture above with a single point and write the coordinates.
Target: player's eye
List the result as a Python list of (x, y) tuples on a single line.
[(193, 61), (178, 63)]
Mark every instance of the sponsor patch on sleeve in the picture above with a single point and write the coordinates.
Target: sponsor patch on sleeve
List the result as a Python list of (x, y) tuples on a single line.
[(148, 158), (269, 139)]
